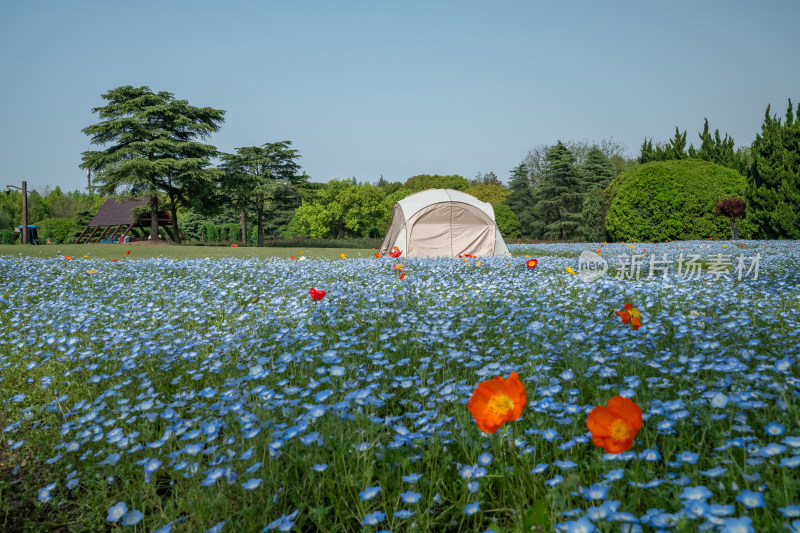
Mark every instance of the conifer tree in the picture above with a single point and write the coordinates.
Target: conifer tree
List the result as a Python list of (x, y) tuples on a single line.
[(773, 181), (559, 195), (520, 199), (153, 147)]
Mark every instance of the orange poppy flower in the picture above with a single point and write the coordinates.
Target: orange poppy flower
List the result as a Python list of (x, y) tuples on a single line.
[(402, 275), (316, 294), (378, 256), (397, 252), (497, 401), (531, 263), (68, 258), (398, 266), (630, 314), (614, 426), (234, 245)]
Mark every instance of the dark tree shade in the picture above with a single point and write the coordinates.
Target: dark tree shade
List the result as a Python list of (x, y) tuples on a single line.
[(731, 207)]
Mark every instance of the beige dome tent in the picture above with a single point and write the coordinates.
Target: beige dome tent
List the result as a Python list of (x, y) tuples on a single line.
[(443, 222)]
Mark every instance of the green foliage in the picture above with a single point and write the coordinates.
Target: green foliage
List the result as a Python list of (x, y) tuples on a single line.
[(264, 178), (558, 197), (210, 232), (58, 230), (520, 199), (672, 200), (343, 209), (191, 224), (494, 193), (773, 181), (507, 221), (714, 149), (592, 216), (426, 181), (152, 147), (8, 237)]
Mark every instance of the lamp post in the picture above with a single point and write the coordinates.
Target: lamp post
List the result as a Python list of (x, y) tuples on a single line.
[(24, 190)]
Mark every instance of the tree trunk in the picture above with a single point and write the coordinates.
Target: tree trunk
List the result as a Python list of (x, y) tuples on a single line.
[(341, 229), (174, 212), (243, 221), (153, 217), (260, 210)]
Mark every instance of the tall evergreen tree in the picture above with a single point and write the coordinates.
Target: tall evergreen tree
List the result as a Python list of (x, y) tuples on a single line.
[(153, 147), (520, 199), (559, 196), (255, 175), (773, 181), (597, 174)]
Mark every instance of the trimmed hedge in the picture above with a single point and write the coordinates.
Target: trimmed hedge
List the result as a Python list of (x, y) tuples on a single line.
[(673, 200)]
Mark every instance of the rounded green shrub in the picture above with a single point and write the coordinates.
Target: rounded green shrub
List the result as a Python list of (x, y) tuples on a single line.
[(58, 230), (672, 200)]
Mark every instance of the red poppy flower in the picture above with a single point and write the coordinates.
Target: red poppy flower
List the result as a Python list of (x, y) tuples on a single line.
[(531, 263), (316, 295), (497, 401), (128, 252), (614, 427), (397, 252), (234, 245), (630, 314), (378, 256), (402, 275)]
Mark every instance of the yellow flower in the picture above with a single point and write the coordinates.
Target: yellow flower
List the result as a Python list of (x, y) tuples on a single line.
[(571, 271), (343, 256), (92, 271)]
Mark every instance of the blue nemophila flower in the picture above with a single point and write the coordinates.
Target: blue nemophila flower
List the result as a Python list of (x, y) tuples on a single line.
[(412, 478), (750, 499), (252, 483), (549, 434), (44, 493), (614, 475), (698, 493), (565, 465), (72, 483), (253, 468), (131, 518), (539, 468), (555, 480), (149, 467), (410, 496), (373, 518), (775, 429), (369, 493), (319, 467), (473, 486), (403, 514), (472, 508), (596, 492), (719, 400), (790, 462), (742, 524), (714, 472), (649, 455), (790, 511), (688, 457), (116, 511), (284, 523), (485, 459)]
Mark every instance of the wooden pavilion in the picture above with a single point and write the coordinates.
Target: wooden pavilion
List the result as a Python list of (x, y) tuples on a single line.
[(115, 221)]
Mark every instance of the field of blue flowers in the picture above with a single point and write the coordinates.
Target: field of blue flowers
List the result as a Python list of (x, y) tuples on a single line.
[(216, 395)]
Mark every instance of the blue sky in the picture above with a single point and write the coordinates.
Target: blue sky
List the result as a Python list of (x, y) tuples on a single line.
[(365, 89)]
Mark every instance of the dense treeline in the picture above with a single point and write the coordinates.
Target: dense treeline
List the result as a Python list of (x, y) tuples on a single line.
[(152, 146)]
